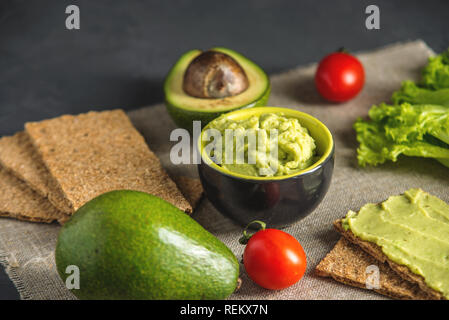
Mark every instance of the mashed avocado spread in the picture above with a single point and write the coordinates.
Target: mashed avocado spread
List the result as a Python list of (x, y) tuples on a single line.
[(413, 230), (294, 147)]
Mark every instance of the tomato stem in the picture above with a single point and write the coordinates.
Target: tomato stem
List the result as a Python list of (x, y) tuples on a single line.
[(245, 238), (343, 50)]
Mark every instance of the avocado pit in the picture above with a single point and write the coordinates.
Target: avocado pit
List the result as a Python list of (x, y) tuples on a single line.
[(214, 75)]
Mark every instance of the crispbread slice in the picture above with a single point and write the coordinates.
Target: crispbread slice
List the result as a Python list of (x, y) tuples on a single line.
[(18, 201), (347, 263), (97, 152), (17, 155), (376, 252), (191, 188)]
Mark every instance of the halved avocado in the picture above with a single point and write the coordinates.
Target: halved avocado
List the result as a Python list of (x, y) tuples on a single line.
[(184, 109)]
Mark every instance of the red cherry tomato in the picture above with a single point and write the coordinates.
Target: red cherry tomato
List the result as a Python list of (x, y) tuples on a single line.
[(274, 259), (339, 77)]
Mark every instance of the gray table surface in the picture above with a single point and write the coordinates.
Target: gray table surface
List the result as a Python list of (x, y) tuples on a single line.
[(124, 49)]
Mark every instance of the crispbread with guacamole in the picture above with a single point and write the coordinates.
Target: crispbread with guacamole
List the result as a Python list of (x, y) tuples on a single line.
[(18, 201), (409, 233), (376, 252), (347, 263), (93, 153), (17, 155)]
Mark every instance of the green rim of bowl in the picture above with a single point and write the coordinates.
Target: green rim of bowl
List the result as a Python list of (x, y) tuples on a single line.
[(305, 119)]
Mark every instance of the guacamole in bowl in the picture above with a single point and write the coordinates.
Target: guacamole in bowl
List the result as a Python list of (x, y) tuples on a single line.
[(270, 144), (246, 183)]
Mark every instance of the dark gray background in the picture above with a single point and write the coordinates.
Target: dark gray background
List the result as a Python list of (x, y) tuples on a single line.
[(124, 49)]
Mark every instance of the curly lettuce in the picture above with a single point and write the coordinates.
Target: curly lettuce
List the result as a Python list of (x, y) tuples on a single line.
[(414, 94), (408, 122), (417, 124), (411, 130), (436, 74)]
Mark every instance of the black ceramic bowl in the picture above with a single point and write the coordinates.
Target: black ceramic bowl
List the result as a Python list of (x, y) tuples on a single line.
[(277, 201)]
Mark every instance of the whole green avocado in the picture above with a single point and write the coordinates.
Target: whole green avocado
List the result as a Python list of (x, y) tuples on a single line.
[(133, 245)]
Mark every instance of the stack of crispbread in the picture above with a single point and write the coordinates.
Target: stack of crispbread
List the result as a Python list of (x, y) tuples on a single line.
[(55, 166), (349, 259)]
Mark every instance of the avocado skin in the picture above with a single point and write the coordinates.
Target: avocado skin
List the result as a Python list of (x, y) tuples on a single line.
[(184, 118), (133, 245)]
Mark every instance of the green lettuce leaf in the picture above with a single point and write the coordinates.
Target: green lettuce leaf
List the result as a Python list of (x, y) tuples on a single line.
[(436, 74), (408, 122), (413, 94), (411, 130), (416, 125)]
